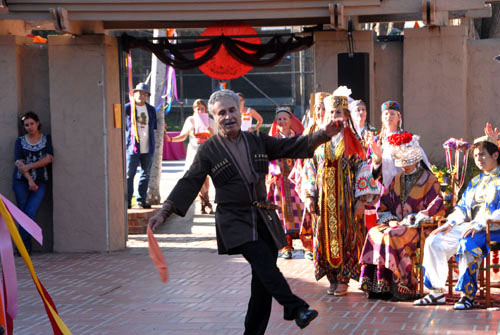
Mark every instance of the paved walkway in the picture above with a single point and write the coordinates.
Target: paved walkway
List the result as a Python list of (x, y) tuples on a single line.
[(120, 293)]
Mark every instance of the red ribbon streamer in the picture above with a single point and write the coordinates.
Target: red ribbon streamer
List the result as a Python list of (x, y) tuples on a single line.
[(157, 256)]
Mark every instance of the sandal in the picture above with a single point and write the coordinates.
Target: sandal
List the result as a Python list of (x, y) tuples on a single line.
[(341, 289), (331, 290), (431, 299), (464, 303), (286, 254), (309, 255)]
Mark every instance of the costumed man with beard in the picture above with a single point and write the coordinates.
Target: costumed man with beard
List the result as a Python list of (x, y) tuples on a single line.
[(245, 223)]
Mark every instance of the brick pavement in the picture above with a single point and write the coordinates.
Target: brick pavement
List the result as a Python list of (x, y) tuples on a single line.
[(120, 293)]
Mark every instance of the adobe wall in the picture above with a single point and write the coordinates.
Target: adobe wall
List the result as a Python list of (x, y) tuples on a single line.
[(446, 84), (388, 71), (10, 102), (89, 213), (35, 97), (434, 86), (483, 84), (327, 46)]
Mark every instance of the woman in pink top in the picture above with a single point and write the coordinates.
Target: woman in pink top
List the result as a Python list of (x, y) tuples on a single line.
[(199, 127)]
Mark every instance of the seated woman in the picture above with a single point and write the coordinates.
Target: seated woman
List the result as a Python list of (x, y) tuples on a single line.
[(413, 196), (464, 231)]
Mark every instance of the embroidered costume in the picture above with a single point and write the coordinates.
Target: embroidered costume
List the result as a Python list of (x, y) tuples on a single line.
[(329, 178), (386, 168), (388, 253), (366, 131), (481, 200), (282, 193)]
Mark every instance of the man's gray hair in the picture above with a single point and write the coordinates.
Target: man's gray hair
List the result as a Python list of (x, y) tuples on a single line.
[(218, 95)]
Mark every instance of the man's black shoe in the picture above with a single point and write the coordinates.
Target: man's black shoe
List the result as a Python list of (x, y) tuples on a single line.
[(144, 204), (305, 316)]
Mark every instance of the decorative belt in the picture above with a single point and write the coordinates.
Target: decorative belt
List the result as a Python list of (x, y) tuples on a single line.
[(265, 205), (259, 204)]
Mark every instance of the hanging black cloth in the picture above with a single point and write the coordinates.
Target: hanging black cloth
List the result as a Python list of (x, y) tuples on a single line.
[(180, 56)]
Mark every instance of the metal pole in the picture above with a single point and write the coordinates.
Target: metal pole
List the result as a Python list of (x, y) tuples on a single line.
[(302, 82), (260, 91), (182, 97), (123, 88), (294, 84)]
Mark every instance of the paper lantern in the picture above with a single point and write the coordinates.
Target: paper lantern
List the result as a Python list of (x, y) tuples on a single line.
[(223, 66)]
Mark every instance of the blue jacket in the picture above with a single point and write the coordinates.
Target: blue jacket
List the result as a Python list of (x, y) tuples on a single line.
[(151, 126)]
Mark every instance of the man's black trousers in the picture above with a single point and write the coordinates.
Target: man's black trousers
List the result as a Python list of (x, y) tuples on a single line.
[(267, 283)]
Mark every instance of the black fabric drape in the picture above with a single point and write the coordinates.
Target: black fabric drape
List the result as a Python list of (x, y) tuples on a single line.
[(181, 56)]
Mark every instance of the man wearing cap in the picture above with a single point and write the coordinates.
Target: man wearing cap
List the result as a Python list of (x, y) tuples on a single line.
[(464, 231), (140, 143)]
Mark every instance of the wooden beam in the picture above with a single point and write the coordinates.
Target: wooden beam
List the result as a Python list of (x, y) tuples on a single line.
[(337, 18), (190, 13), (417, 16), (61, 20), (449, 5), (359, 3), (471, 14), (161, 24), (432, 15)]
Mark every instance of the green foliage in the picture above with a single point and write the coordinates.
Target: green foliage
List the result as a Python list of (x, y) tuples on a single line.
[(444, 176)]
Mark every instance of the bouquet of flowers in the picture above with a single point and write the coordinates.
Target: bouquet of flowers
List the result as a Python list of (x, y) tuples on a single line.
[(461, 147), (456, 144), (444, 176), (400, 139)]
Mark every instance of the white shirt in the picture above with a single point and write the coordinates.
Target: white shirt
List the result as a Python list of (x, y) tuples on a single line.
[(246, 120), (142, 128)]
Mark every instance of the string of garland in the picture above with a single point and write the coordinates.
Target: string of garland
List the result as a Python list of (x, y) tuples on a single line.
[(180, 55)]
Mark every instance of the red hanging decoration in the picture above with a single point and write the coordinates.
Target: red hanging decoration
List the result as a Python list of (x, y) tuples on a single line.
[(223, 66), (495, 260), (352, 145)]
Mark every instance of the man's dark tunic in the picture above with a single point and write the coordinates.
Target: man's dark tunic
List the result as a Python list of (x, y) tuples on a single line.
[(236, 217), (238, 169)]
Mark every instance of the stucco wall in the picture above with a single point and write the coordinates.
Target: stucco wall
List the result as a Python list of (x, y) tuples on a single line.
[(85, 211), (118, 228), (35, 97), (327, 46), (483, 85), (388, 70), (10, 102), (434, 86)]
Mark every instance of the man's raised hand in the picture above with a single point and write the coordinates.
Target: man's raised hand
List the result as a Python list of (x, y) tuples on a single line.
[(332, 128)]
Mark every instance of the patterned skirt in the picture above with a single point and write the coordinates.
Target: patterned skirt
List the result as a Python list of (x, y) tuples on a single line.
[(291, 208), (387, 261)]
